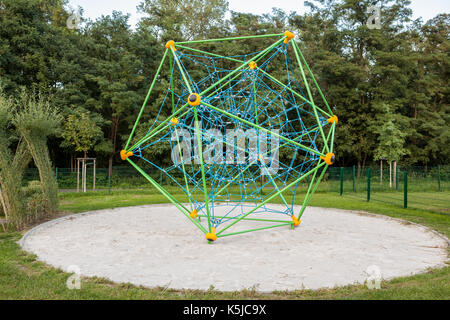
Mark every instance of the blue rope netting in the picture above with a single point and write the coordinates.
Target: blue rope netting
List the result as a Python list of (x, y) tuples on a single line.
[(237, 179)]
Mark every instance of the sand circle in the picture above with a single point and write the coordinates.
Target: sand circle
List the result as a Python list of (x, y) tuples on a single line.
[(155, 245)]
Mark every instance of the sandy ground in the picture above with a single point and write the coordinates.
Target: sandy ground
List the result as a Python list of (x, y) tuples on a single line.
[(156, 245)]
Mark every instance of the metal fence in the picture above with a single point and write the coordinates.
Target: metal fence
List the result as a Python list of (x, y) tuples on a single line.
[(409, 187)]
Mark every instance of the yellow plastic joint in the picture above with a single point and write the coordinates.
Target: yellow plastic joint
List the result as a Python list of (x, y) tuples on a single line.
[(252, 65), (124, 155), (296, 221), (329, 158), (211, 236), (333, 119), (173, 121), (194, 99), (171, 44), (193, 214), (289, 35)]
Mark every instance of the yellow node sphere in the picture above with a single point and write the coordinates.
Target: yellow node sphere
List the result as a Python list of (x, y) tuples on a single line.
[(296, 221), (194, 99), (171, 44), (193, 214), (211, 236), (124, 155), (329, 158), (289, 35), (333, 119)]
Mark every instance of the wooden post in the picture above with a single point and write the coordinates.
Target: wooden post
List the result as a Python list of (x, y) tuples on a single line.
[(354, 178), (395, 174), (93, 182), (84, 174), (381, 171), (109, 180), (439, 178), (390, 174), (405, 189), (78, 175)]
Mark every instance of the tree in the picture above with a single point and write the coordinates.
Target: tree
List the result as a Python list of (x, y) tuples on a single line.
[(11, 172), (391, 141), (106, 68), (36, 120), (39, 52), (27, 42), (428, 96), (359, 68), (115, 75), (82, 130), (25, 124), (183, 19)]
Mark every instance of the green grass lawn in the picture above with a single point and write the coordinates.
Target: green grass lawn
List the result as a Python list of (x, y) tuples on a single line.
[(22, 277)]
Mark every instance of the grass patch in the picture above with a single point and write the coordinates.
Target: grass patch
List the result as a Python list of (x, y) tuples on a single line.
[(23, 277)]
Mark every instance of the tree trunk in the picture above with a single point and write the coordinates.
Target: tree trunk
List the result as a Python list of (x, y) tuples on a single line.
[(11, 175), (39, 151), (359, 169), (2, 202), (110, 163), (364, 161), (21, 159), (113, 137), (11, 201)]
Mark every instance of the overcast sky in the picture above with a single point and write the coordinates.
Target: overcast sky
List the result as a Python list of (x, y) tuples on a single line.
[(93, 9)]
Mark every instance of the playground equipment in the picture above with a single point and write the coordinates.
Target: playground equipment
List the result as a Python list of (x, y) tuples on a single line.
[(238, 135)]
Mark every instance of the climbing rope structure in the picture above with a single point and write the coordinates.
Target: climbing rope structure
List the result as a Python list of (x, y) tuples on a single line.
[(240, 131)]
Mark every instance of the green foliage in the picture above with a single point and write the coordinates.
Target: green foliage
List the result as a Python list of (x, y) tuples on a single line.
[(36, 120), (184, 19), (391, 139), (363, 69), (10, 199), (6, 113), (37, 117), (37, 203), (27, 42), (25, 125), (82, 130), (106, 68), (19, 205), (115, 75)]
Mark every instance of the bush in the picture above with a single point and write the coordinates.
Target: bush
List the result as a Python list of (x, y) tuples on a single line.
[(25, 125), (37, 205)]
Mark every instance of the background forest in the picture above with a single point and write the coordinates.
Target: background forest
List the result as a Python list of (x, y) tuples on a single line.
[(388, 86)]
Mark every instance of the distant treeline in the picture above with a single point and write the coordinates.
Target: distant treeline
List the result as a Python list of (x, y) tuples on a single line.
[(389, 86)]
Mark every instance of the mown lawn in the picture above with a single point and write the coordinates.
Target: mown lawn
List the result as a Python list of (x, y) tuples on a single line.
[(22, 277)]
